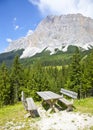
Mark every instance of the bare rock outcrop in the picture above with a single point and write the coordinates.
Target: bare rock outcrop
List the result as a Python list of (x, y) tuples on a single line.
[(57, 32)]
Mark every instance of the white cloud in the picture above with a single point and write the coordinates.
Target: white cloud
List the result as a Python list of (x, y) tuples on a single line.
[(29, 32), (16, 27), (9, 40), (86, 7), (58, 7)]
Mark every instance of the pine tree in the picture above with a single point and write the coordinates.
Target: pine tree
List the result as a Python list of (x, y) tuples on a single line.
[(4, 85), (90, 68), (37, 80), (84, 81), (17, 80), (89, 72), (75, 73)]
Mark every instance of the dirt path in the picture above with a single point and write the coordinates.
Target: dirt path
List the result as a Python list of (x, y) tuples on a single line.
[(64, 121), (60, 120)]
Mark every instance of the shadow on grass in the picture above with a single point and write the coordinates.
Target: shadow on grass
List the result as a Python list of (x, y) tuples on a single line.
[(45, 105), (59, 106), (64, 107)]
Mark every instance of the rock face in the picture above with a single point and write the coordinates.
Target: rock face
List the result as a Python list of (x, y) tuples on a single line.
[(57, 32)]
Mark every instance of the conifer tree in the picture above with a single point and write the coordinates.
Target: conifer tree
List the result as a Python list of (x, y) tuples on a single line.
[(85, 83), (17, 80), (37, 80), (89, 72), (75, 74), (90, 68), (4, 85)]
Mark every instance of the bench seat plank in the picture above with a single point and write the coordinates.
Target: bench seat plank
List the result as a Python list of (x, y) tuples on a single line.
[(30, 103), (65, 101)]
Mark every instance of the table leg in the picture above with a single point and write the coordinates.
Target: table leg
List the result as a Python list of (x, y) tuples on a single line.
[(52, 105)]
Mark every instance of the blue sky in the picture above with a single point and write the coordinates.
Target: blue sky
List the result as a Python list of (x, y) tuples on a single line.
[(18, 17)]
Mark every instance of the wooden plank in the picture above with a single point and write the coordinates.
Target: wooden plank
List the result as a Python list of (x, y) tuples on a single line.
[(53, 95), (69, 93), (22, 96), (43, 95), (69, 104), (30, 104), (48, 95), (65, 101), (23, 99)]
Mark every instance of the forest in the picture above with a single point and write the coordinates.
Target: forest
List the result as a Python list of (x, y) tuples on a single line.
[(76, 76)]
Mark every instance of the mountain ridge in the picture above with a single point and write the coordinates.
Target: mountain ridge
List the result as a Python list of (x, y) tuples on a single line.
[(56, 32)]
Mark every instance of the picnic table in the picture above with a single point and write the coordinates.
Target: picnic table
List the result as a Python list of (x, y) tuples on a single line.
[(50, 98)]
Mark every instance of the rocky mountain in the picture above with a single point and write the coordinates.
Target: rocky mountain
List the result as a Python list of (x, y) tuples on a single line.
[(56, 32)]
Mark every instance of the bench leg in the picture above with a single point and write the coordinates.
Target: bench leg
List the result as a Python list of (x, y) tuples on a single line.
[(32, 114), (69, 108)]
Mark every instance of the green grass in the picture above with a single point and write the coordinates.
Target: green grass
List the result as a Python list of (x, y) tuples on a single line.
[(86, 128), (13, 115), (84, 105), (91, 128)]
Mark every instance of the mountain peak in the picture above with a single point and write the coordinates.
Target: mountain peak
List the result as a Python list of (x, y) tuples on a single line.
[(57, 32)]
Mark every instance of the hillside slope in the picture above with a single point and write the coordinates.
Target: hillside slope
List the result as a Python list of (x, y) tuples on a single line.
[(58, 59)]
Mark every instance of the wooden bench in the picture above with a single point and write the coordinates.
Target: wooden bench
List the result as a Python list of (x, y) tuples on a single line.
[(29, 105), (68, 103)]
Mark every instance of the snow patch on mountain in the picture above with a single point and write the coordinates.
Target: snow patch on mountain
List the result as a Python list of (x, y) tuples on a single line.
[(31, 51)]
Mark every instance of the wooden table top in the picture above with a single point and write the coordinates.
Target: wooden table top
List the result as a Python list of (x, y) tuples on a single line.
[(48, 95)]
